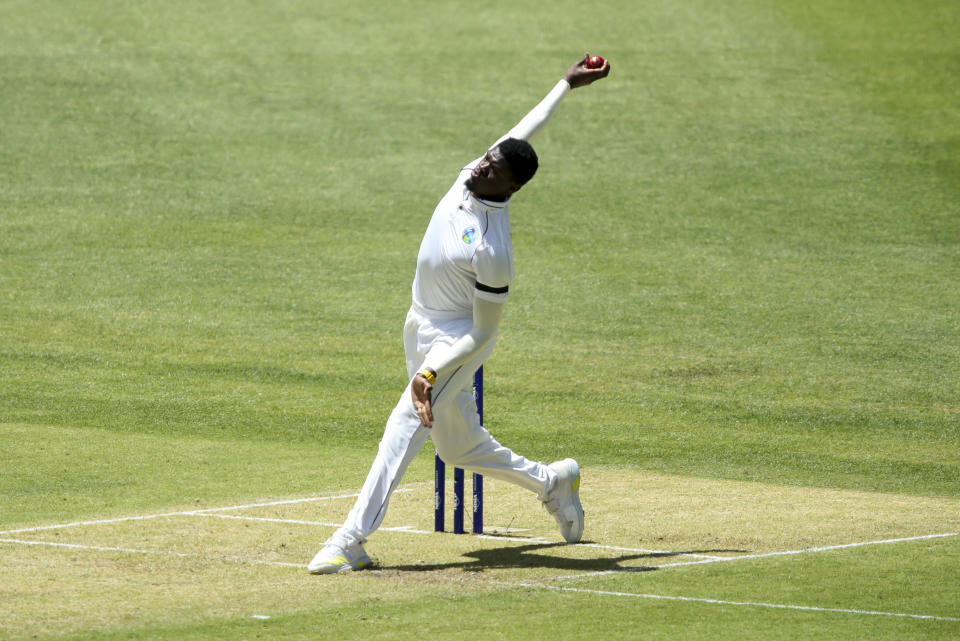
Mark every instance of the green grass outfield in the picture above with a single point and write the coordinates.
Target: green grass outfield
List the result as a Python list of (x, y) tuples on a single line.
[(737, 304)]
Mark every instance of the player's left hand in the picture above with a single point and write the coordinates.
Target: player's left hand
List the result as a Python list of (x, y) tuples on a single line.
[(421, 390)]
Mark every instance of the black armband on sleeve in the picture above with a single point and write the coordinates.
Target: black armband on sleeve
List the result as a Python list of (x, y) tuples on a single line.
[(491, 290)]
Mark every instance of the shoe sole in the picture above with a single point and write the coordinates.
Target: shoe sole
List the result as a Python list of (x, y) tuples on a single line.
[(578, 506), (336, 568), (329, 569)]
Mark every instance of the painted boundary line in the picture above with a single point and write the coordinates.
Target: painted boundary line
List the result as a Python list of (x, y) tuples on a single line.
[(753, 604), (766, 555)]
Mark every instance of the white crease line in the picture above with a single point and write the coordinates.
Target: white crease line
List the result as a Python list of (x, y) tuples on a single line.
[(412, 530), (514, 539), (408, 529), (408, 488), (261, 518), (184, 513), (211, 512), (644, 551), (58, 526), (402, 528), (826, 548), (182, 555), (727, 559), (780, 606), (311, 499), (505, 583)]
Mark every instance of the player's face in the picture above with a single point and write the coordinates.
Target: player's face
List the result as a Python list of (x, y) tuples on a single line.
[(491, 178)]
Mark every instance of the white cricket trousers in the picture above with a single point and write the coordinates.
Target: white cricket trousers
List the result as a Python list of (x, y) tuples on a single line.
[(457, 434)]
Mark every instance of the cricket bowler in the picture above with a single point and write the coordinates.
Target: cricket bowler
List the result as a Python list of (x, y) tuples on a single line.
[(463, 276)]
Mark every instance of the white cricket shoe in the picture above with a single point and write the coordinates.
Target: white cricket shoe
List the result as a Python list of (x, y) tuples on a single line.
[(339, 554), (563, 499)]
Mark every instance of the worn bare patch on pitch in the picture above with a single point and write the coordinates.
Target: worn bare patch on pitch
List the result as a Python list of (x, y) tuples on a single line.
[(636, 520)]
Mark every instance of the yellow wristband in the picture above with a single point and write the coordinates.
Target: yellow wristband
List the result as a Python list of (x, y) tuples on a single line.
[(428, 374)]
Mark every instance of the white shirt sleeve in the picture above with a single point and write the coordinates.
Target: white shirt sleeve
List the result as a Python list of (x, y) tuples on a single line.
[(486, 321), (494, 274), (539, 115)]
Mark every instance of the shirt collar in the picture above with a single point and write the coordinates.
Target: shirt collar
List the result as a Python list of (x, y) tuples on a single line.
[(488, 206)]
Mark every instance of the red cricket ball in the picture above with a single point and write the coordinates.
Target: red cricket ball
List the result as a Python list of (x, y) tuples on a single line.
[(595, 62)]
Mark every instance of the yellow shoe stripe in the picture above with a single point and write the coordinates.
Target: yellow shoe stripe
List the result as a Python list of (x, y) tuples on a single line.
[(344, 561)]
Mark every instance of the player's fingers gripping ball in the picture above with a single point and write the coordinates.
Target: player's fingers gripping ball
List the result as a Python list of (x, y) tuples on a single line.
[(595, 62)]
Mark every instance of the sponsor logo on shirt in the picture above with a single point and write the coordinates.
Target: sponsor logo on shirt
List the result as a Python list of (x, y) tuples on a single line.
[(470, 234)]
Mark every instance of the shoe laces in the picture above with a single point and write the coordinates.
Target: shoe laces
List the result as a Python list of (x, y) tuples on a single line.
[(342, 541), (552, 506)]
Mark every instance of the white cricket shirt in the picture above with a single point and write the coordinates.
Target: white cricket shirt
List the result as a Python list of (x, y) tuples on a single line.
[(466, 252)]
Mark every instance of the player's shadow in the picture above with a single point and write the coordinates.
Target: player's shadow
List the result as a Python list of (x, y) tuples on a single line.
[(526, 556)]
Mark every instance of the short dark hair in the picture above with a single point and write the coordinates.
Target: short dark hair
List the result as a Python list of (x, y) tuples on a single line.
[(521, 158)]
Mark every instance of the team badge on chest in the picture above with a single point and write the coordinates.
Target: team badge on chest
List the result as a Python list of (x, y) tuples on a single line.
[(470, 234)]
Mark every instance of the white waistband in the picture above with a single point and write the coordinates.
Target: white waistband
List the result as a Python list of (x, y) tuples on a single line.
[(437, 314)]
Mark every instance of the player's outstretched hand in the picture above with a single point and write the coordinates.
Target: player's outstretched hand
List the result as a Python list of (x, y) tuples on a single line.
[(579, 75), (421, 389)]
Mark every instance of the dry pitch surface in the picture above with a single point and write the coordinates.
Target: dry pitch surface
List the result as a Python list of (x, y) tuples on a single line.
[(198, 562)]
